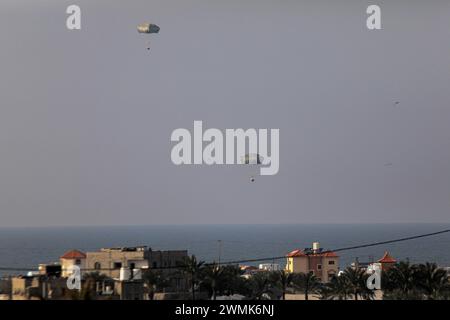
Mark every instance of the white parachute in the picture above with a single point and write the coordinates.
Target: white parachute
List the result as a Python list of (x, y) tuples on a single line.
[(252, 159), (148, 28)]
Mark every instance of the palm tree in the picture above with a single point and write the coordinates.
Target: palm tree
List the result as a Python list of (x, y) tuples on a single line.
[(307, 282), (213, 275), (260, 285), (337, 288), (431, 280), (232, 281), (155, 280), (88, 289), (356, 280), (399, 282), (283, 279), (192, 268)]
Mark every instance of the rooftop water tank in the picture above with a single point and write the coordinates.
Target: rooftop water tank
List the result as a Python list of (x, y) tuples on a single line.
[(124, 274), (316, 246)]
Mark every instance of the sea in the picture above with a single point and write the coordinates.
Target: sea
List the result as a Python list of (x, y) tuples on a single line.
[(25, 248)]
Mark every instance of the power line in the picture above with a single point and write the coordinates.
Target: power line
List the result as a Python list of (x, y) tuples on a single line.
[(392, 241), (348, 248), (231, 262)]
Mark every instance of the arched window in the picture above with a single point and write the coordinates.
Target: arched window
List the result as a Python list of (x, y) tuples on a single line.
[(97, 266), (331, 274)]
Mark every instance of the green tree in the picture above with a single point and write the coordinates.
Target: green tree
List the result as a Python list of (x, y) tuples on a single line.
[(233, 282), (213, 275), (356, 280), (432, 281), (155, 281), (337, 288), (283, 279), (399, 282), (192, 269), (89, 286), (308, 283), (261, 286)]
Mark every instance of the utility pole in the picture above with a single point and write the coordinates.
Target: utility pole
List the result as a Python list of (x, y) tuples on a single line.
[(220, 249)]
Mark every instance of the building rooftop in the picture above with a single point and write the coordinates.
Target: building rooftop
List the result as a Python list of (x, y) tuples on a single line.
[(310, 252), (126, 249), (73, 254), (296, 253), (248, 268), (387, 258)]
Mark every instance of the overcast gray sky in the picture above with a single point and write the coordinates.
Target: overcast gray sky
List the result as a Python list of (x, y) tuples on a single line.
[(86, 116)]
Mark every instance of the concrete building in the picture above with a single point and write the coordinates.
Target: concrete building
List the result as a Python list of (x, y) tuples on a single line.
[(109, 261), (5, 288), (249, 271), (383, 264), (38, 287), (269, 267), (323, 264), (129, 290), (123, 268), (72, 258)]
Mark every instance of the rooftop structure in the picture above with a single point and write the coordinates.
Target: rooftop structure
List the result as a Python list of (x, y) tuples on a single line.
[(322, 263), (73, 254), (387, 258), (70, 259)]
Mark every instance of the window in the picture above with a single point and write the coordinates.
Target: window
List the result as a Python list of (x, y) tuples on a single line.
[(117, 265), (97, 266), (155, 265), (331, 275), (132, 266), (78, 262), (331, 262), (319, 267)]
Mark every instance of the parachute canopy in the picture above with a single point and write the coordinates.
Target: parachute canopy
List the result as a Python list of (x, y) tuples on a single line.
[(147, 28), (252, 158)]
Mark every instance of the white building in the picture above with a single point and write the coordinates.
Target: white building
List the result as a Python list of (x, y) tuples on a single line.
[(269, 267)]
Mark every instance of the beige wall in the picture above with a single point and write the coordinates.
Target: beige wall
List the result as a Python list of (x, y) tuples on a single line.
[(297, 264), (140, 259), (129, 290), (329, 269), (311, 263), (18, 288), (67, 264), (107, 259), (26, 288)]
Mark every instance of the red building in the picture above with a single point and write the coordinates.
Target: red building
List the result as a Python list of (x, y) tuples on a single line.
[(387, 261), (323, 264)]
